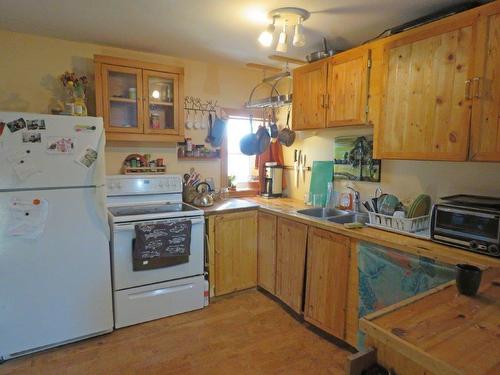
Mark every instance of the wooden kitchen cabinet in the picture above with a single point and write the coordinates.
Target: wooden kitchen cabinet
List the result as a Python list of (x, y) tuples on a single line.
[(309, 95), (139, 101), (347, 88), (290, 262), (332, 92), (485, 132), (327, 281), (266, 252), (235, 247), (426, 92)]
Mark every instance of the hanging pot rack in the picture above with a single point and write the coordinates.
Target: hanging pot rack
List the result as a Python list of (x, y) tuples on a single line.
[(275, 99)]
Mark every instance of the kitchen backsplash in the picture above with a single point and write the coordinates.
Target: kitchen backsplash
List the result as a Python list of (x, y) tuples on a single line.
[(404, 178)]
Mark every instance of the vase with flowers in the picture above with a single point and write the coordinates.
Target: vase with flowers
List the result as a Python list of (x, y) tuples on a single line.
[(76, 88)]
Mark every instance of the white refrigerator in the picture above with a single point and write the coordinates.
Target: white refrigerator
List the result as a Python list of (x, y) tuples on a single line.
[(55, 284)]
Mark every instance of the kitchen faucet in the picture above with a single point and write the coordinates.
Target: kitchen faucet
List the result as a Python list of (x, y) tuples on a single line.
[(357, 200)]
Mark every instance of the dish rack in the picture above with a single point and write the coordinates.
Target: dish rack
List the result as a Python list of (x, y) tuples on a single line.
[(397, 224)]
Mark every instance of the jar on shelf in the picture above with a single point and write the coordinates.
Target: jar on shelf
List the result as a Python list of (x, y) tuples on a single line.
[(155, 121)]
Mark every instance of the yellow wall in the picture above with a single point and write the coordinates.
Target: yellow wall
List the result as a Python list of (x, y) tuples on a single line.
[(404, 178), (30, 67)]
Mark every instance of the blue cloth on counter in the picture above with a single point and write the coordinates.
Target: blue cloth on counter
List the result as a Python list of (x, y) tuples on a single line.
[(388, 276)]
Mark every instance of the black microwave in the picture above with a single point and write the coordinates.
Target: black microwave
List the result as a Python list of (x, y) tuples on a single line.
[(471, 228)]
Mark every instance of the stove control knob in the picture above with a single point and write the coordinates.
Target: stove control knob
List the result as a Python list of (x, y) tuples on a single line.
[(493, 250)]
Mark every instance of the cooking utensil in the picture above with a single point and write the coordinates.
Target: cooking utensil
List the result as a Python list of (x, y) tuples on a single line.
[(204, 198), (209, 138), (303, 168), (263, 139), (295, 165), (249, 143), (286, 136), (299, 167), (318, 55), (273, 127)]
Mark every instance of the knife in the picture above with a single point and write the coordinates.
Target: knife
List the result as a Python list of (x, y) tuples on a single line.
[(299, 161), (304, 168), (295, 165)]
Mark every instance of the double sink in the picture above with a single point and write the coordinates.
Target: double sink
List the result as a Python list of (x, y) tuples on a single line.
[(334, 215)]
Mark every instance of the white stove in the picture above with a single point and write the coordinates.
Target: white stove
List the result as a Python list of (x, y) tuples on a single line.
[(145, 295)]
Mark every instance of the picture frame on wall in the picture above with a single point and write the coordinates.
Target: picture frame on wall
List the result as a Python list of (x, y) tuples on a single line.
[(353, 159)]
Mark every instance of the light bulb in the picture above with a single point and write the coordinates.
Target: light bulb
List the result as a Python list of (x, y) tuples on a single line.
[(282, 46), (155, 94), (299, 39), (266, 37)]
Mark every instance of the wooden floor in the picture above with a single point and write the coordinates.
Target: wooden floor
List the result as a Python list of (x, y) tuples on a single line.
[(244, 333)]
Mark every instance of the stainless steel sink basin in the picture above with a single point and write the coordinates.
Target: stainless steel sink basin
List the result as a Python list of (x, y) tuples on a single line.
[(350, 218), (322, 213)]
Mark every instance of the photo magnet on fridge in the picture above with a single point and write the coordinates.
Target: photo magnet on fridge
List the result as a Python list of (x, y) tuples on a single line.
[(60, 145), (32, 137), (35, 124), (16, 125), (87, 157)]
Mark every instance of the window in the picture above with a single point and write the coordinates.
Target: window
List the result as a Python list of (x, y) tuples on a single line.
[(239, 165)]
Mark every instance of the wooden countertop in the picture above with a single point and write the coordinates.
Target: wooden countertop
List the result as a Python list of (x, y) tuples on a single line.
[(229, 205), (287, 208), (443, 331)]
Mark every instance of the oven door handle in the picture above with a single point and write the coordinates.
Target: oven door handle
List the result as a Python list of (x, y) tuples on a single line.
[(131, 226)]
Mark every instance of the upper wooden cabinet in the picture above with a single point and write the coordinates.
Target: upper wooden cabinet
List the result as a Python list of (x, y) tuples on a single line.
[(347, 95), (139, 101), (290, 262), (425, 109), (440, 83), (235, 244), (309, 96), (332, 92), (485, 145), (327, 281)]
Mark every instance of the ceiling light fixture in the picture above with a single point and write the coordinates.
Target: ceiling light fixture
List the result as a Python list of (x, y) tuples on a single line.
[(299, 39), (289, 16), (266, 37), (282, 40)]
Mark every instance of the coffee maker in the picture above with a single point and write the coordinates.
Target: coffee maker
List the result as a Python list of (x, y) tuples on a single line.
[(273, 180)]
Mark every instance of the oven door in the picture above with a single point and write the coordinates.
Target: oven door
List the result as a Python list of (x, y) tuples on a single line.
[(125, 277)]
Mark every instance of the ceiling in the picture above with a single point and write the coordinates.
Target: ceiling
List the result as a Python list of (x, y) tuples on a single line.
[(211, 30)]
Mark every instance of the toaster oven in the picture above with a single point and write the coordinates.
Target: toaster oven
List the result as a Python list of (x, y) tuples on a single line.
[(475, 229)]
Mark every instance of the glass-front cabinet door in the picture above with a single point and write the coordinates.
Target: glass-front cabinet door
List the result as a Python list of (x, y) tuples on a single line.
[(161, 102), (122, 91)]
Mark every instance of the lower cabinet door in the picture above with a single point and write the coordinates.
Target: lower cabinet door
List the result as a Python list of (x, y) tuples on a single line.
[(290, 262), (266, 252), (327, 281), (235, 251)]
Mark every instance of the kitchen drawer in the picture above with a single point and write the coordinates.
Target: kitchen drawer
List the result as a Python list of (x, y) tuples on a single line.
[(137, 305)]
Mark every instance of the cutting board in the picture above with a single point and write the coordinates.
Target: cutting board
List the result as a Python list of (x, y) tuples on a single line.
[(321, 175)]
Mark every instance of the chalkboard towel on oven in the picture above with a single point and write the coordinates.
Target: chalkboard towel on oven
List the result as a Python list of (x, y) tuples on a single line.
[(161, 244)]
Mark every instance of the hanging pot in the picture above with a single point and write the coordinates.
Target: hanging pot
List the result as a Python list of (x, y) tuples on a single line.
[(263, 139), (273, 127), (249, 143), (286, 135)]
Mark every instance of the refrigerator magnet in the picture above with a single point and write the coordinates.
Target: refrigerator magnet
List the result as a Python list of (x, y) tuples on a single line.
[(60, 145), (88, 157), (32, 137), (2, 126), (35, 124), (16, 125)]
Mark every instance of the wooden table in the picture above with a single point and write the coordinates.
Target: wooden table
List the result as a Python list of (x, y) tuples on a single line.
[(440, 332)]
